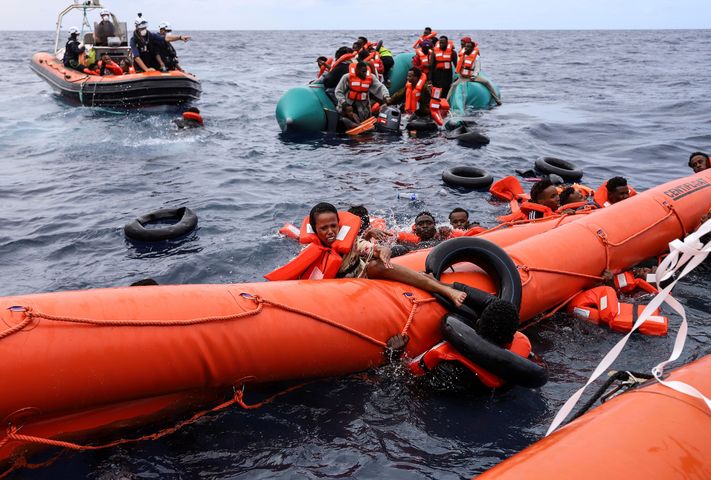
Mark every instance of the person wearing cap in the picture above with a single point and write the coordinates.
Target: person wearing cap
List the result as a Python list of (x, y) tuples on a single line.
[(72, 50), (421, 60), (167, 56), (143, 47), (104, 29), (463, 43)]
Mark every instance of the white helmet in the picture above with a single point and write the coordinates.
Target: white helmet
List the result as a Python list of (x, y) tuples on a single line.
[(141, 22), (73, 31), (164, 26), (104, 12)]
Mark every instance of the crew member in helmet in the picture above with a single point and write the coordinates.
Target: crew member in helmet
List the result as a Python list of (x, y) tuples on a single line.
[(104, 29), (72, 50), (144, 47), (353, 94), (167, 56)]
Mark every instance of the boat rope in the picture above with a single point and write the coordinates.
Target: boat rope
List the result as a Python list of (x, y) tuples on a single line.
[(12, 431), (526, 268), (627, 379), (685, 255)]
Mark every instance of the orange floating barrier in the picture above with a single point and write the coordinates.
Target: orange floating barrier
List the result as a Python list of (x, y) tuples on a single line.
[(80, 365), (650, 432)]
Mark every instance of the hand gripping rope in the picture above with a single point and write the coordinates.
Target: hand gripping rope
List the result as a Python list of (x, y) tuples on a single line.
[(685, 255)]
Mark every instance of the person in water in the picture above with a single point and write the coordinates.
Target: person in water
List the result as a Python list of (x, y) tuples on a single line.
[(72, 50), (166, 55), (699, 161), (459, 219), (367, 231), (468, 68), (424, 232), (191, 119), (546, 194), (617, 190), (104, 29), (369, 260), (417, 101), (144, 47), (353, 94)]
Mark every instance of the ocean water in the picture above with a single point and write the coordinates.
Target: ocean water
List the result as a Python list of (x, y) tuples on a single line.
[(631, 103)]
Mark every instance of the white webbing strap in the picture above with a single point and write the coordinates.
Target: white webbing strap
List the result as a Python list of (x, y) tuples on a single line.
[(687, 254)]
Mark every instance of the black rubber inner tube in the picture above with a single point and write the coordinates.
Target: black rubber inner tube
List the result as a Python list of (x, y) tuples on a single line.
[(422, 125), (467, 177), (186, 223), (503, 363), (568, 170), (486, 255)]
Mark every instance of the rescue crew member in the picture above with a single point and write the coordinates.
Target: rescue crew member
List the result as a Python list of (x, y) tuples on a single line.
[(144, 47), (104, 29), (72, 50), (368, 260), (167, 56), (421, 59), (442, 62), (699, 161), (353, 94), (468, 68)]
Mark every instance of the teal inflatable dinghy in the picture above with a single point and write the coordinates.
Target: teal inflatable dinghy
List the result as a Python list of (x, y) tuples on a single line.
[(307, 109)]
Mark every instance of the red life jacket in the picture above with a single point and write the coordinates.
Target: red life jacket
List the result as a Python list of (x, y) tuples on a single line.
[(316, 261), (601, 195), (443, 58), (375, 60), (358, 88), (193, 116), (326, 67), (131, 69), (423, 38), (408, 237), (424, 60), (439, 106), (112, 66), (412, 94), (600, 305), (626, 282), (346, 57), (289, 230), (444, 351), (89, 71), (465, 65)]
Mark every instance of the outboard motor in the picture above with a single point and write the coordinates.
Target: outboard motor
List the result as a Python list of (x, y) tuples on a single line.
[(389, 120)]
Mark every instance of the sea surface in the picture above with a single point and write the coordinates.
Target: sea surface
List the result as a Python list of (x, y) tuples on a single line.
[(631, 103)]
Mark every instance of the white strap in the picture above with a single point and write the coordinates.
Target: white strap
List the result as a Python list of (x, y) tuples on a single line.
[(687, 254)]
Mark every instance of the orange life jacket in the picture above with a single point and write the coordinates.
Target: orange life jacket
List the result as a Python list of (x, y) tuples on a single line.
[(89, 71), (289, 230), (444, 351), (346, 57), (131, 69), (423, 38), (424, 60), (377, 222), (626, 282), (508, 188), (358, 88), (193, 116), (470, 232), (412, 94), (439, 106), (601, 195), (112, 66), (326, 67), (316, 261), (465, 64), (526, 211), (375, 60), (600, 305), (443, 58), (408, 237)]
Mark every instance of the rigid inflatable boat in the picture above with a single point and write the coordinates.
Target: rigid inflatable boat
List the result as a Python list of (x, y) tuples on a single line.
[(118, 91), (649, 432), (81, 366), (305, 109)]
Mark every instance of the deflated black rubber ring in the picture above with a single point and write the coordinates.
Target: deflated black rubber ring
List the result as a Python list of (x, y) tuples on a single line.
[(186, 223), (468, 177), (568, 170)]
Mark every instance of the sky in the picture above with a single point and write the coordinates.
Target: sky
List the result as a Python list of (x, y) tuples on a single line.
[(379, 14)]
